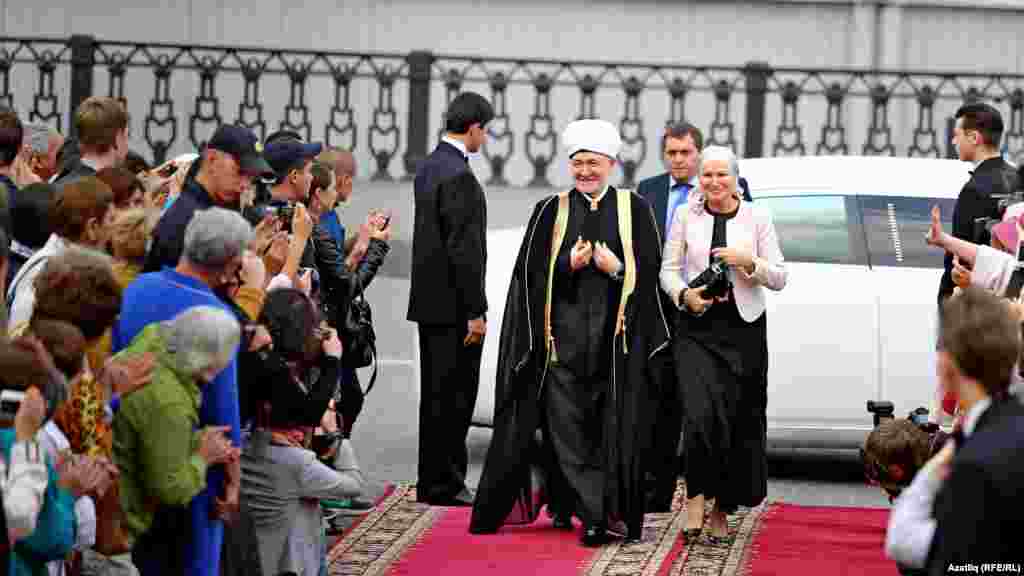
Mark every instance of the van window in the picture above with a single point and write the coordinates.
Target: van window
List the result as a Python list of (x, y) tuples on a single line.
[(815, 228), (896, 227)]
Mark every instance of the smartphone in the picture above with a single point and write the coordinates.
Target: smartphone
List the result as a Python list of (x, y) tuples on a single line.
[(10, 403)]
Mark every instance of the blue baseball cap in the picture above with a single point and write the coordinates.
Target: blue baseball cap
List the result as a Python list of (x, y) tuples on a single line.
[(284, 154), (241, 143)]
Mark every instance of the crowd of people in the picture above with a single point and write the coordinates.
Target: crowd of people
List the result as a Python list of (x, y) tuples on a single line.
[(177, 397), (180, 347)]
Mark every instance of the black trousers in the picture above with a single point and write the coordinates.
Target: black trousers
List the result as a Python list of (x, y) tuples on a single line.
[(449, 381)]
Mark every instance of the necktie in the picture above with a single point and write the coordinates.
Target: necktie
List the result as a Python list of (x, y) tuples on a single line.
[(681, 190)]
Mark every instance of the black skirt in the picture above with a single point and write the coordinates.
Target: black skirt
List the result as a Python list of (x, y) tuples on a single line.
[(721, 366)]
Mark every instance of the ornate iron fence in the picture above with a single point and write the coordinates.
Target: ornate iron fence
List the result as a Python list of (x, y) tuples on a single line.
[(178, 94)]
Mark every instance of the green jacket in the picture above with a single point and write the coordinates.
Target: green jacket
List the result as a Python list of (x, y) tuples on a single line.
[(155, 439)]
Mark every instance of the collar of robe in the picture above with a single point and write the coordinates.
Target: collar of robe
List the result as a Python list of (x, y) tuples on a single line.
[(595, 201)]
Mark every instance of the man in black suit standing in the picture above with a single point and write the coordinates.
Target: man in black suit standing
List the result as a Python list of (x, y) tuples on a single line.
[(962, 506), (681, 146), (979, 128), (447, 298)]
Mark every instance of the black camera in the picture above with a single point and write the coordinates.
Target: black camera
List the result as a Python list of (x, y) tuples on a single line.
[(984, 226), (716, 279), (1012, 181)]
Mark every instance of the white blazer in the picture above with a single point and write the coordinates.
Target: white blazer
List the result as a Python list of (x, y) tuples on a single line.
[(751, 229)]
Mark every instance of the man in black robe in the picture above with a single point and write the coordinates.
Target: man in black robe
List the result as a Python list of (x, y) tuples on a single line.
[(572, 421)]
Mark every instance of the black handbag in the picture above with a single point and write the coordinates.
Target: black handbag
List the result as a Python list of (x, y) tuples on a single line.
[(359, 341)]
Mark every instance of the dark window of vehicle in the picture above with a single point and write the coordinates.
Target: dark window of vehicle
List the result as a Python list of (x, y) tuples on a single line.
[(896, 227), (815, 228)]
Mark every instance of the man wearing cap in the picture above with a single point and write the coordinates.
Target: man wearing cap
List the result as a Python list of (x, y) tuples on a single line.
[(231, 160), (292, 162), (581, 327)]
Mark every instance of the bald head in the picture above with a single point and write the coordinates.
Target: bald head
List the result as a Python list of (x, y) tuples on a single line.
[(341, 161), (344, 165)]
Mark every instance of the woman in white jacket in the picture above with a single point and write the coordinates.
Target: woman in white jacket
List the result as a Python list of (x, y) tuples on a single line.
[(720, 347)]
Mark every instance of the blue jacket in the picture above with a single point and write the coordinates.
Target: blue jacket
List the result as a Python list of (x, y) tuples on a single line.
[(169, 236)]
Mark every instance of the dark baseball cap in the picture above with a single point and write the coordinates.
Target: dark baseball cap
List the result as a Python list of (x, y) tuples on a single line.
[(241, 143), (287, 152)]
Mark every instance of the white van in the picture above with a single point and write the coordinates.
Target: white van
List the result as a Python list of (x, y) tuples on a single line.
[(857, 320)]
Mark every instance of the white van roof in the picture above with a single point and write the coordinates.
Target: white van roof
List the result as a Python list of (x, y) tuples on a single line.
[(855, 175)]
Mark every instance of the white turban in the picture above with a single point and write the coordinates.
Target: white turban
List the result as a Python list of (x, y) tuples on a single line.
[(591, 135)]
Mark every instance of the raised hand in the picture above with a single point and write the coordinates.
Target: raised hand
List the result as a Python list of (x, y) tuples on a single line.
[(582, 253), (606, 260), (936, 234)]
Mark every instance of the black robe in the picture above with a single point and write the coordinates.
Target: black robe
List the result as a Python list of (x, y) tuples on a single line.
[(511, 490)]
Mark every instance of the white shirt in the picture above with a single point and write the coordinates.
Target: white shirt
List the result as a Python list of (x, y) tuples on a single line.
[(911, 525), (458, 144), (23, 481), (21, 293)]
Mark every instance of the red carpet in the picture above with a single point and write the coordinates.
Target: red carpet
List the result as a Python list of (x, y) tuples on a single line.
[(799, 540), (448, 548)]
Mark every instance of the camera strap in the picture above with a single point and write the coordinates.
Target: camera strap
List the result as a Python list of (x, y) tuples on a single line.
[(1013, 289)]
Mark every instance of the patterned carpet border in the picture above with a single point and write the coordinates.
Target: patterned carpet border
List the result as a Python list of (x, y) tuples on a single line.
[(370, 547), (702, 558), (374, 545), (657, 546)]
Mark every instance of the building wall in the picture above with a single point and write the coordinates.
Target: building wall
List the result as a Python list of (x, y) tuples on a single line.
[(935, 36)]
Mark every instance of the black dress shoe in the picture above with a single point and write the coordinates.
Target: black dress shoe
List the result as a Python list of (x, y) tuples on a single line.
[(594, 536), (562, 523)]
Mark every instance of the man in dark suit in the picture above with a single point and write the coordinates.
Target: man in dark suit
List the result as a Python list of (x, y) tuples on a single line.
[(962, 506), (447, 299), (979, 504), (681, 146), (978, 131)]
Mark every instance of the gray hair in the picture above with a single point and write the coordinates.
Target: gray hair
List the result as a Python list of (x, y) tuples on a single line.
[(715, 152), (214, 237), (38, 134), (200, 338)]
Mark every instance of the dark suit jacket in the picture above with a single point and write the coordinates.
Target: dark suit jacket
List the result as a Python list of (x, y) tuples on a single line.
[(655, 191), (978, 508), (168, 240), (449, 244), (993, 176)]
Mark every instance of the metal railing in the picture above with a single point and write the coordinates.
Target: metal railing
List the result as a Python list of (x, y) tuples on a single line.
[(385, 105)]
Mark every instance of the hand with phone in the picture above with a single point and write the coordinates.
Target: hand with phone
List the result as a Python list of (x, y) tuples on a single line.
[(380, 226)]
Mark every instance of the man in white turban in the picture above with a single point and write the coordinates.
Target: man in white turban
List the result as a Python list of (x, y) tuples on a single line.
[(581, 323)]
